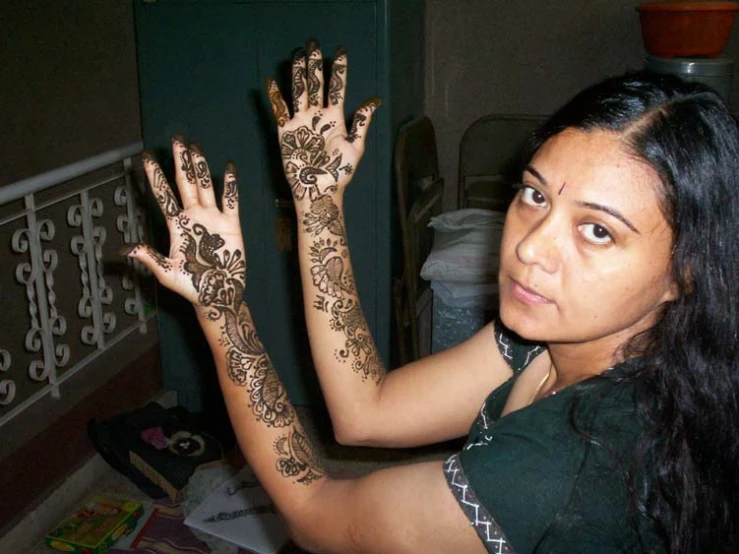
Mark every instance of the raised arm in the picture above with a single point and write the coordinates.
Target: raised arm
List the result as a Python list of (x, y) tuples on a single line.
[(425, 402), (384, 513)]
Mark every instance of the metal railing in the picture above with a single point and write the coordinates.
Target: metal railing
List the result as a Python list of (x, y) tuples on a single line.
[(67, 310)]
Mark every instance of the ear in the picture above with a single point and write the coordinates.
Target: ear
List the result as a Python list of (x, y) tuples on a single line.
[(673, 291)]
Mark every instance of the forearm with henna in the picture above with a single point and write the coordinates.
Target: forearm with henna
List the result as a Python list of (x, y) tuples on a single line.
[(319, 157), (334, 290), (206, 265), (226, 319)]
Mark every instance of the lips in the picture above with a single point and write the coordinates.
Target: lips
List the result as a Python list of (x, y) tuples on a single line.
[(526, 295)]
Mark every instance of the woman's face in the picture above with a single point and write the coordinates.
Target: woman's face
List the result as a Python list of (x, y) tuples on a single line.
[(586, 249)]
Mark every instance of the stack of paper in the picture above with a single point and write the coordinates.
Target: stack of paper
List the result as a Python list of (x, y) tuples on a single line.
[(240, 512)]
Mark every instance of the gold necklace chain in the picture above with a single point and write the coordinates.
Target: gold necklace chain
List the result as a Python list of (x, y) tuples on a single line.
[(541, 385)]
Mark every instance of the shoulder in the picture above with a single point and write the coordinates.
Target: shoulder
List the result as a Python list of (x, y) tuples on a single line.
[(528, 468)]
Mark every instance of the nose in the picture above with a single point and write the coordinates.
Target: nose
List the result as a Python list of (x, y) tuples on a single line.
[(539, 246)]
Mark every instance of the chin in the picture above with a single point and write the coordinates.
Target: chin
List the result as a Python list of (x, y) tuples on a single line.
[(523, 324)]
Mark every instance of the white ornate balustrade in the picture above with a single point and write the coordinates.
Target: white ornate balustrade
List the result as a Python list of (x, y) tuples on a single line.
[(66, 295)]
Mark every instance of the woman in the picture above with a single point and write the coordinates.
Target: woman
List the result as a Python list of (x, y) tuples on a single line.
[(609, 385)]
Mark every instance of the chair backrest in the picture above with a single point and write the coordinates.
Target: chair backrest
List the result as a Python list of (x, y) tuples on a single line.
[(419, 194), (489, 152)]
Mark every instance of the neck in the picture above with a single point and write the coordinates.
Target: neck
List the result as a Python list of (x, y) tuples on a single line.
[(572, 363)]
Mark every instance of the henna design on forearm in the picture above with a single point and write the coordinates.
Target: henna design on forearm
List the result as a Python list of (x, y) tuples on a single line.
[(336, 84), (335, 281), (328, 269), (216, 277), (297, 458), (348, 318), (323, 214)]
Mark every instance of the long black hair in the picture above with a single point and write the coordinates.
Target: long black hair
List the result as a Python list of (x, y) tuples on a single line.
[(687, 364)]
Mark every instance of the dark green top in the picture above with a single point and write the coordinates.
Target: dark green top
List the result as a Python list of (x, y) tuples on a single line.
[(530, 480)]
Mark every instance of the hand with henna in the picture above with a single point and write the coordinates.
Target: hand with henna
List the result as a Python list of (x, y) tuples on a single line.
[(319, 154), (206, 262)]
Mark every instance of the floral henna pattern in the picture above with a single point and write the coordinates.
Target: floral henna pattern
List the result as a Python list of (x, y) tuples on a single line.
[(323, 214), (305, 159), (268, 396), (216, 275), (297, 458), (336, 283), (328, 269)]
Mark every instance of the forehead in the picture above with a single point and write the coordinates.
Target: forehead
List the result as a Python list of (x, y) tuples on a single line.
[(595, 166)]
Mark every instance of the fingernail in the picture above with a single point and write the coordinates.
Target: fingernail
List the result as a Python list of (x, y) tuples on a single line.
[(179, 138), (231, 168), (373, 103), (127, 249), (340, 51), (298, 53), (195, 147), (312, 45), (148, 156)]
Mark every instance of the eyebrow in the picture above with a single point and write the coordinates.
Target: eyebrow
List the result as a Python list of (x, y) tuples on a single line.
[(591, 205)]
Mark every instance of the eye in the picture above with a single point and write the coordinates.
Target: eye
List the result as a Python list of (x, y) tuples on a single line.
[(531, 196), (597, 234)]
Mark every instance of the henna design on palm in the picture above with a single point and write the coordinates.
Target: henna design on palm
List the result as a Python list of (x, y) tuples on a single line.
[(305, 159)]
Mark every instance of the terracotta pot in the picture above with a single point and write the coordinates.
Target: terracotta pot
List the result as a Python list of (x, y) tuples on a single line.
[(686, 29)]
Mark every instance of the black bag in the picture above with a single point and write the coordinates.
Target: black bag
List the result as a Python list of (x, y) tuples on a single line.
[(158, 449)]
